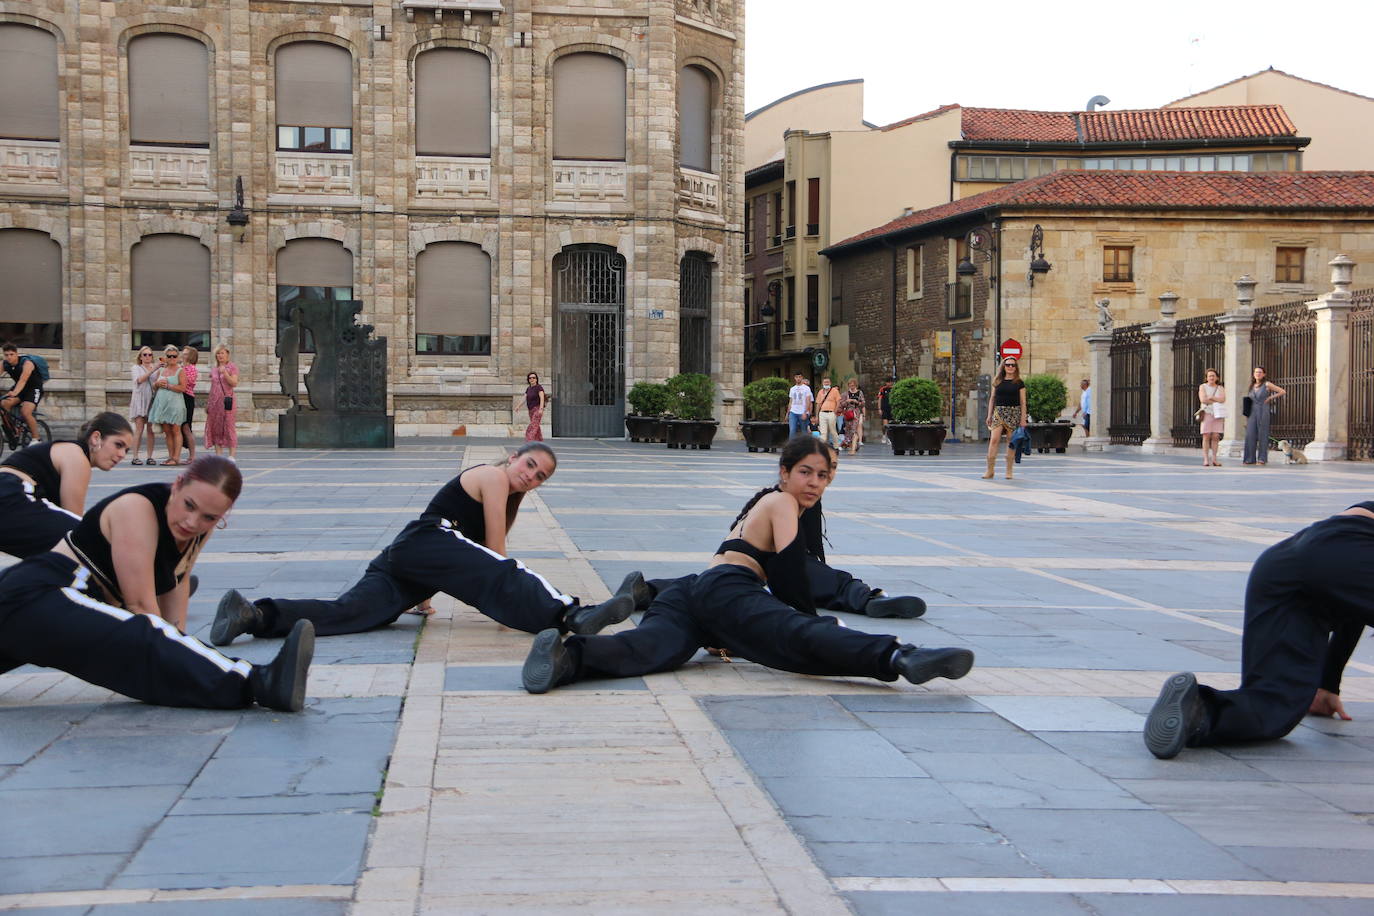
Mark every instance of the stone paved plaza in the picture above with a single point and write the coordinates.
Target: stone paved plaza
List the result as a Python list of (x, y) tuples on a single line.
[(422, 779)]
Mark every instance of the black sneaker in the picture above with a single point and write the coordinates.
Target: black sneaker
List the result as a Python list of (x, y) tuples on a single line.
[(234, 616), (635, 586), (920, 665), (587, 621), (549, 663), (1177, 715), (280, 684), (908, 607)]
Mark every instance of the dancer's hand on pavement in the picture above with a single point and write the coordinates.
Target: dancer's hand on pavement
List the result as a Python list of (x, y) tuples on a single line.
[(1328, 704)]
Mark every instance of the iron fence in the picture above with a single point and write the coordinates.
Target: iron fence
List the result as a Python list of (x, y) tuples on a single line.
[(1130, 414), (1284, 342), (1360, 446), (1199, 345)]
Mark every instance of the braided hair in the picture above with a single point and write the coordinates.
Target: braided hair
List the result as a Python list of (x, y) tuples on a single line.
[(797, 448)]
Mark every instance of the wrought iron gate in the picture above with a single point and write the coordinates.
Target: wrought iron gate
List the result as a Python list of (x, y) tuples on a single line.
[(694, 310), (1284, 342), (589, 372), (1130, 416), (1199, 345), (1361, 443)]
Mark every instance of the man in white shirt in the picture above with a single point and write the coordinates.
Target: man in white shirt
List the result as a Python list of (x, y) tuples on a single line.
[(1085, 406), (799, 406)]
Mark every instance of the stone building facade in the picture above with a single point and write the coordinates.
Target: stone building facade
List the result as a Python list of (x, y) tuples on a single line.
[(505, 186)]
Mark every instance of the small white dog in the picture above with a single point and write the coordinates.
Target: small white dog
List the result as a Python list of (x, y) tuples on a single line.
[(1291, 455)]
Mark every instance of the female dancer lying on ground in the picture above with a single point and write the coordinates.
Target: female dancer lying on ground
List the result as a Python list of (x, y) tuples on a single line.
[(43, 487), (108, 603), (1307, 602), (457, 546), (728, 607)]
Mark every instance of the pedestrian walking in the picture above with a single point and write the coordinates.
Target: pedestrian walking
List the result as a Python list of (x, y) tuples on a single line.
[(885, 407), (1307, 603), (456, 546), (1085, 406), (169, 407), (827, 410), (799, 401), (853, 406), (140, 399), (535, 399), (108, 602), (221, 409), (43, 486), (1262, 395), (190, 356), (1006, 412), (29, 374), (1211, 394), (728, 607)]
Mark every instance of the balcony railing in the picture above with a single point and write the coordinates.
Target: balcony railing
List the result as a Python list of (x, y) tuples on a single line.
[(314, 173), (169, 168), (452, 177), (576, 180), (31, 161), (699, 190)]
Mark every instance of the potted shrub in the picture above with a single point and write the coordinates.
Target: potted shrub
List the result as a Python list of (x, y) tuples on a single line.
[(1046, 398), (765, 402), (691, 398), (648, 400), (915, 426)]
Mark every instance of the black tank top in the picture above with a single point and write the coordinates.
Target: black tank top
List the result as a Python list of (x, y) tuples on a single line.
[(170, 563), (36, 461), (453, 503), (785, 570)]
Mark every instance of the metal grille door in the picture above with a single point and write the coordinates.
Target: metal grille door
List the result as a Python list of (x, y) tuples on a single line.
[(1130, 417), (694, 307), (589, 375), (1284, 342), (1361, 444), (1199, 345)]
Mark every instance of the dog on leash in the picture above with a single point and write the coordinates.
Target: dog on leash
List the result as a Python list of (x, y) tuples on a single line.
[(1291, 454)]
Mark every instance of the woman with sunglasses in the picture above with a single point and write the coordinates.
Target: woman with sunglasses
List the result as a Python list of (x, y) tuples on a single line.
[(1006, 412), (141, 400), (169, 405), (535, 399)]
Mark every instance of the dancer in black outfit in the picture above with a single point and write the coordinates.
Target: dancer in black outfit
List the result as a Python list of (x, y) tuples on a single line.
[(108, 603), (457, 546), (43, 487), (1307, 602), (728, 607)]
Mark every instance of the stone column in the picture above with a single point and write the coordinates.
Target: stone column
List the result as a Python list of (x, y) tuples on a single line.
[(1235, 372), (1100, 396), (1332, 433), (1161, 335)]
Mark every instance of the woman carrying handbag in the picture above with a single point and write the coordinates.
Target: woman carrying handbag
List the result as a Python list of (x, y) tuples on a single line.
[(1211, 394)]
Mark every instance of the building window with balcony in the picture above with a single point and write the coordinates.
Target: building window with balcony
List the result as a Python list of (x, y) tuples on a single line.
[(29, 107), (452, 103), (791, 230), (694, 313), (696, 104), (589, 107), (1289, 264), (170, 285), (1118, 264), (169, 91), (314, 98), (31, 296), (790, 324), (813, 206), (813, 302), (311, 270), (453, 300)]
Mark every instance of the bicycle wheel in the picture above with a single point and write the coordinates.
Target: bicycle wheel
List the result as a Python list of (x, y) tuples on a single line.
[(25, 437)]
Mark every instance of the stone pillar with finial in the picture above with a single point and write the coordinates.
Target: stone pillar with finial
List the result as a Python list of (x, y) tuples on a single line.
[(1161, 335), (1331, 435), (1237, 365)]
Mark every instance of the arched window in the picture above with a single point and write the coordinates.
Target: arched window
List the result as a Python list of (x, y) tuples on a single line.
[(171, 292), (453, 299), (29, 107), (694, 313), (589, 107), (318, 269), (314, 98), (695, 101), (452, 103), (169, 91), (31, 296)]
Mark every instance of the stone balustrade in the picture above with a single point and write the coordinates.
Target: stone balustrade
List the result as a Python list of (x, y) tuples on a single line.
[(452, 177), (31, 161), (699, 190), (314, 173), (577, 180), (169, 168)]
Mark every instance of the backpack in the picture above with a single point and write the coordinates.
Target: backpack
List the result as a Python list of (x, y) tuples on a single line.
[(40, 368)]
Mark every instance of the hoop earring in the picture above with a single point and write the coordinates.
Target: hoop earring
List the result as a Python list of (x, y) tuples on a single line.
[(222, 524)]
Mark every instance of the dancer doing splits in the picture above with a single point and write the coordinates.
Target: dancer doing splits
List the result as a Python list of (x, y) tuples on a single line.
[(107, 604), (43, 487), (728, 607), (457, 546), (1306, 604)]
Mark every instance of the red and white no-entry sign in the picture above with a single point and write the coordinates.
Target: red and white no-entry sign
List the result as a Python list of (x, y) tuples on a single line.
[(1011, 347)]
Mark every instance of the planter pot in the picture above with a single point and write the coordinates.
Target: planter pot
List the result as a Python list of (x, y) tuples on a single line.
[(691, 433), (1047, 436), (916, 438), (764, 435), (645, 429)]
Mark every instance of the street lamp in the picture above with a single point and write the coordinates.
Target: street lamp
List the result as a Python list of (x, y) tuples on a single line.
[(1038, 265), (238, 216)]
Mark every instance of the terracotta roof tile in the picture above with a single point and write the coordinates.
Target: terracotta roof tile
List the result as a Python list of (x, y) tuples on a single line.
[(1072, 189), (1221, 122), (1014, 124)]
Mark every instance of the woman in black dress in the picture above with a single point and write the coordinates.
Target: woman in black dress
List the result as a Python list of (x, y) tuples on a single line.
[(1006, 411)]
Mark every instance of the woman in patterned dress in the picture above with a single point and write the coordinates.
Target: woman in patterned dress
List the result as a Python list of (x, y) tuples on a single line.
[(221, 412)]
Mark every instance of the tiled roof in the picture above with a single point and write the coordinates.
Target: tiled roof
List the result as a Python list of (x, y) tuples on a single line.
[(1076, 190), (1229, 122)]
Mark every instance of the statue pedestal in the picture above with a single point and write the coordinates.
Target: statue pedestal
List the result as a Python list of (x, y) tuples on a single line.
[(326, 429)]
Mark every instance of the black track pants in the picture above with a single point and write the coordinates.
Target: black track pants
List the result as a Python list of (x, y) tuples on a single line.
[(727, 607), (428, 556), (31, 525), (45, 619), (835, 589), (1299, 591)]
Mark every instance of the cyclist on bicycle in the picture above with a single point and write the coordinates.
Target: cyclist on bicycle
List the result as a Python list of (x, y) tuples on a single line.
[(43, 487), (27, 390)]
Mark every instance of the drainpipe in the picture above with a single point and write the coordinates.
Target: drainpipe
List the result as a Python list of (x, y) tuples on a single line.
[(893, 284)]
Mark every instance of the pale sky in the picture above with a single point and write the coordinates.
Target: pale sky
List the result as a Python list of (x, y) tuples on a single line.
[(915, 55)]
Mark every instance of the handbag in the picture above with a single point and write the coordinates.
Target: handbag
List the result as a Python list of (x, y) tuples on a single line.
[(1247, 404), (849, 414), (1219, 410), (228, 402)]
